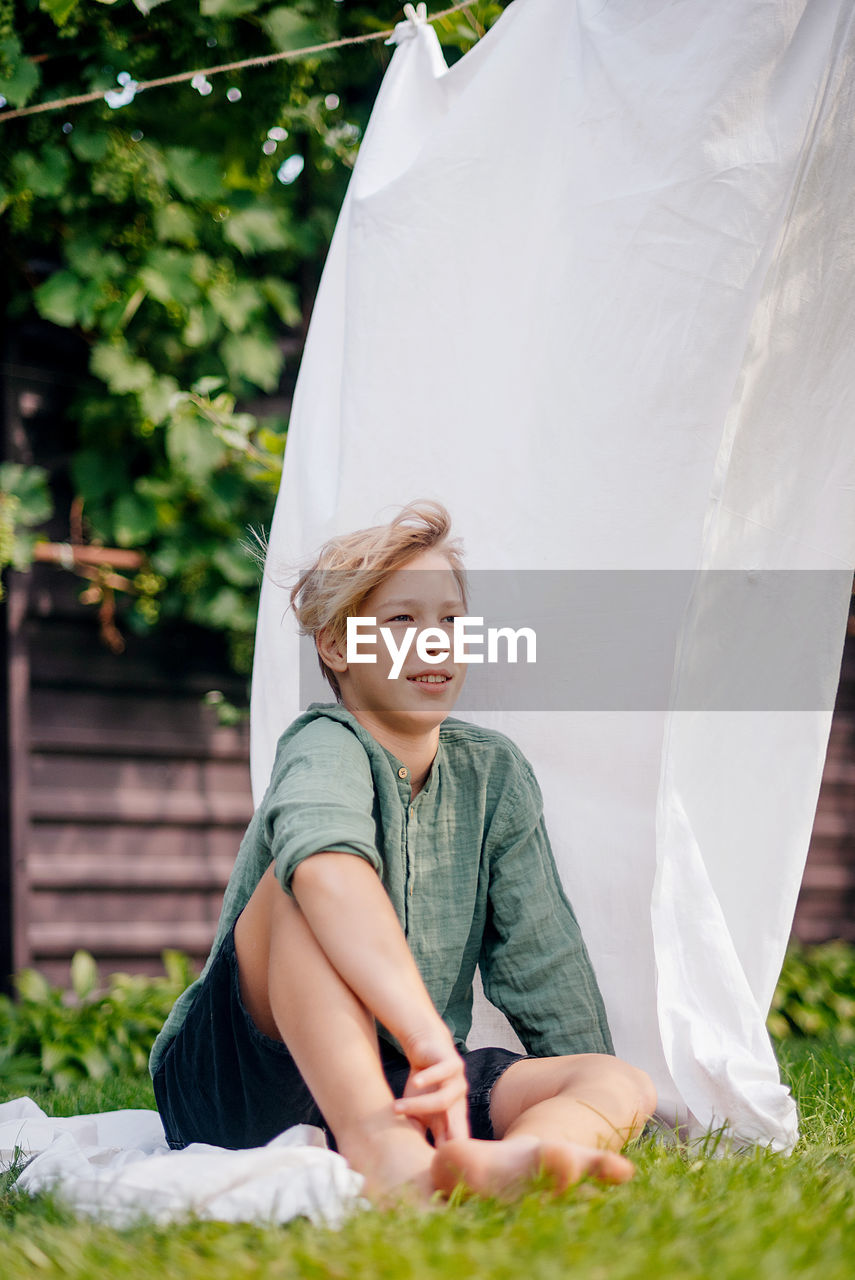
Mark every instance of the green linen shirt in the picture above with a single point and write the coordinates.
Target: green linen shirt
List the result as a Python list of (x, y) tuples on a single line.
[(467, 865)]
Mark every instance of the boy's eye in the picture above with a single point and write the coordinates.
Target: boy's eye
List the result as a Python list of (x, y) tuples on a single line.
[(408, 617)]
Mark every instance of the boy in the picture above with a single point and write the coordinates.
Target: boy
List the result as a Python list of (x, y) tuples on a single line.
[(395, 850)]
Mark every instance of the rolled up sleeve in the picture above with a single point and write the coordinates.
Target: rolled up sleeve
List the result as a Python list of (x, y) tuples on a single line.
[(321, 799)]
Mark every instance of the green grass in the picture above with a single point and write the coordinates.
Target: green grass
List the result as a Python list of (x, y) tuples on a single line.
[(754, 1217)]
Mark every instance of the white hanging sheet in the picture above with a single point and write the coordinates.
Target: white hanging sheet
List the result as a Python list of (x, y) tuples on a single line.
[(592, 288)]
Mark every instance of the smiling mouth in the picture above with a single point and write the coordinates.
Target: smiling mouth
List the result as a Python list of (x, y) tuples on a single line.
[(432, 679)]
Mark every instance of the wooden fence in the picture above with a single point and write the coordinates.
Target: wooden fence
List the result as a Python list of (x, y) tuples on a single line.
[(128, 799), (826, 905)]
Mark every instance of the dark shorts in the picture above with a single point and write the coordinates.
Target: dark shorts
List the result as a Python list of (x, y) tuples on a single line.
[(224, 1082)]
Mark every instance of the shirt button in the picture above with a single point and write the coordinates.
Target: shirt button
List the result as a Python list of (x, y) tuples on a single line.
[(402, 772)]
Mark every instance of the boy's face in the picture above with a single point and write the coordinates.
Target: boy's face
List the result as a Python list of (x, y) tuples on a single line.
[(422, 594)]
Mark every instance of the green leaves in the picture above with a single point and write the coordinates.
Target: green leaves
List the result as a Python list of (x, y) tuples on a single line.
[(156, 401), (88, 143), (134, 519), (121, 370), (256, 230), (99, 472), (56, 1040), (193, 449), (25, 502), (85, 290), (227, 8), (290, 29), (59, 10), (815, 994), (168, 277), (84, 974), (125, 373), (249, 356), (90, 259), (178, 223), (29, 486), (33, 987), (193, 175), (67, 300), (179, 258), (20, 77), (282, 295), (236, 565), (44, 172), (236, 303)]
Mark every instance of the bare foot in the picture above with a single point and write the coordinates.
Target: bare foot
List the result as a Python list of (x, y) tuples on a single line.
[(396, 1166), (502, 1168)]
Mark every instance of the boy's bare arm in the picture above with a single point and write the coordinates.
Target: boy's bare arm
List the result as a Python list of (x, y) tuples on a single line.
[(353, 919)]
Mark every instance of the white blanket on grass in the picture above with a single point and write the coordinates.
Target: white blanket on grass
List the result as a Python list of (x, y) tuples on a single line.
[(117, 1167)]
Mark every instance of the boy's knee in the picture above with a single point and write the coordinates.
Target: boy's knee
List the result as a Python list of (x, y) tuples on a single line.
[(646, 1090), (633, 1083), (640, 1088)]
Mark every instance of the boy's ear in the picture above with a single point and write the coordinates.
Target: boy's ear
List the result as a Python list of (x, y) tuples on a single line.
[(331, 651)]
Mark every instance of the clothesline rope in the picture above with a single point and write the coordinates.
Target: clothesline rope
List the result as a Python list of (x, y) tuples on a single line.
[(290, 55)]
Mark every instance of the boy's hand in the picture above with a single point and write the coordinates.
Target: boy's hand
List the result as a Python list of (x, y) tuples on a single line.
[(435, 1094)]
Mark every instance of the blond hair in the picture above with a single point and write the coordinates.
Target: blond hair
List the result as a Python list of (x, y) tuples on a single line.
[(349, 567)]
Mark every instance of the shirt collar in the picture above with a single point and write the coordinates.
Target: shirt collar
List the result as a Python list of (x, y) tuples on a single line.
[(405, 782), (336, 711)]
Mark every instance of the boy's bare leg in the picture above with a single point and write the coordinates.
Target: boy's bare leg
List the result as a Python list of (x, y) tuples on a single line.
[(565, 1114), (294, 994), (567, 1117)]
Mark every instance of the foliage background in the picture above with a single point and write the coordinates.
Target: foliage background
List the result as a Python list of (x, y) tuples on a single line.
[(179, 234), (55, 1039)]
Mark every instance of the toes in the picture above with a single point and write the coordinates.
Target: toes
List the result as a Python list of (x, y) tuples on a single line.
[(503, 1168), (608, 1166), (452, 1165), (567, 1164)]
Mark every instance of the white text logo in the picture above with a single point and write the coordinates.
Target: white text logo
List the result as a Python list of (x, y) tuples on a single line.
[(468, 635)]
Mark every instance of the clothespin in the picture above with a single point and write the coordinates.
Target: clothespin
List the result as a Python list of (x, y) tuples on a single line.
[(416, 16)]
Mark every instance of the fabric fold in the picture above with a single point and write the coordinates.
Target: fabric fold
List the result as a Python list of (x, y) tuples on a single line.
[(117, 1167)]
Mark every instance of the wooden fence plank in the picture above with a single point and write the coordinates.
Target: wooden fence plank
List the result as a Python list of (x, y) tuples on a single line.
[(148, 938), (150, 872), (89, 722)]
